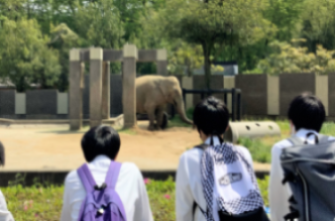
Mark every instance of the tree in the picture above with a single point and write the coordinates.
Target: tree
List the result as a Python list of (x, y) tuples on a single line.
[(292, 58), (98, 24), (318, 21), (25, 57), (63, 39), (212, 21)]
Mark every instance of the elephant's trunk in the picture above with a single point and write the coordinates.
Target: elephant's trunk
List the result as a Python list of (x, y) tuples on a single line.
[(181, 111)]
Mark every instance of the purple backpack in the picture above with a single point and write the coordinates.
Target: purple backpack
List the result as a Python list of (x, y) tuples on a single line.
[(101, 203)]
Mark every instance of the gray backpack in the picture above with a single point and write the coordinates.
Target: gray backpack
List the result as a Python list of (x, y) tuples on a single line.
[(310, 171)]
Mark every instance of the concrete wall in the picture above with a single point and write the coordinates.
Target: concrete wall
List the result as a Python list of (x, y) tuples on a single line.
[(41, 104), (7, 102), (254, 93), (262, 95), (291, 85)]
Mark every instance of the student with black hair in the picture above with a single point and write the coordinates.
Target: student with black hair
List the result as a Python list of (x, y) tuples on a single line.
[(101, 146), (306, 114), (5, 215), (215, 181)]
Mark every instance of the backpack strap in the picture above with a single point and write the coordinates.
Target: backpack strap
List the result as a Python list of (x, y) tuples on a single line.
[(113, 174), (86, 178)]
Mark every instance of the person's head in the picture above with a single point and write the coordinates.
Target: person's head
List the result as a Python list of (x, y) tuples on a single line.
[(307, 111), (211, 117), (101, 140), (2, 155)]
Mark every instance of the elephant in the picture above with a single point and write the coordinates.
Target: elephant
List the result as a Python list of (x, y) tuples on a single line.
[(153, 93)]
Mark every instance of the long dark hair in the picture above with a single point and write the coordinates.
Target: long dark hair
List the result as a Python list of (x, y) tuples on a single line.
[(2, 155)]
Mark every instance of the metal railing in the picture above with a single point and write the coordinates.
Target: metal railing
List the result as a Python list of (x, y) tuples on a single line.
[(235, 101)]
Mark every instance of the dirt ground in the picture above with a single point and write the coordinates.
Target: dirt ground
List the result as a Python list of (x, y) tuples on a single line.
[(32, 148)]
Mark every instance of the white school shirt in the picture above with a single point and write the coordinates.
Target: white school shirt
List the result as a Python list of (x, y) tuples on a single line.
[(5, 215), (279, 194), (188, 183), (130, 187)]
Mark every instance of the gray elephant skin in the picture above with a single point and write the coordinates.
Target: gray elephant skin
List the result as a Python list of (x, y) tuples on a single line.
[(153, 93)]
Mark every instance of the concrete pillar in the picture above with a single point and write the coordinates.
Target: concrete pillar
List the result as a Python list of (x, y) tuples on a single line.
[(321, 90), (273, 95), (106, 91), (229, 83), (75, 91), (187, 83), (96, 57), (20, 103), (129, 91), (161, 62)]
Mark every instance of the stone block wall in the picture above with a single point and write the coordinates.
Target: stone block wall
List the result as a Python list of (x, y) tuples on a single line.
[(7, 103), (254, 93), (262, 95), (291, 85)]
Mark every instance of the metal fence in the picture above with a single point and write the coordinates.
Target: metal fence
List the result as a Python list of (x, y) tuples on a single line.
[(235, 101)]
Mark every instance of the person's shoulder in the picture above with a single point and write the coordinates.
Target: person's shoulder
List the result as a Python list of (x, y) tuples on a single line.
[(71, 177), (281, 144), (129, 167), (191, 154)]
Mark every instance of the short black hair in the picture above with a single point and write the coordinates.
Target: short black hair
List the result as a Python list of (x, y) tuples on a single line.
[(2, 155), (307, 111), (211, 116), (101, 140)]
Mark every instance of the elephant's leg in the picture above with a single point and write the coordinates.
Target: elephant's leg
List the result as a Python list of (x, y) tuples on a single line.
[(165, 121), (151, 115), (160, 117)]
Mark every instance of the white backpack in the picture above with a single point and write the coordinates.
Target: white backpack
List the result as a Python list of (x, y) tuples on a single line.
[(229, 185)]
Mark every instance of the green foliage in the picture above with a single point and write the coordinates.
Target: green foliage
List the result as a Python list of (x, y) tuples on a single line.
[(25, 57), (207, 23), (260, 151), (63, 39), (39, 203), (263, 185), (99, 25), (290, 58), (162, 199), (187, 57), (317, 26)]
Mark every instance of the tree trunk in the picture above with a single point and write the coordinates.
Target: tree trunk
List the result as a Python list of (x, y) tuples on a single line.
[(207, 66)]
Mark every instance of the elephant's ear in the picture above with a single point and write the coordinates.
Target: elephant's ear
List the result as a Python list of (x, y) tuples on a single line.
[(164, 90)]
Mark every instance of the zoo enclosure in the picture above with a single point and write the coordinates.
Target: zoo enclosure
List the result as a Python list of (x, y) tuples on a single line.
[(235, 101)]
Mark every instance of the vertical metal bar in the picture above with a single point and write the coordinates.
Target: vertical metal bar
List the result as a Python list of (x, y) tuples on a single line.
[(225, 98), (233, 104), (239, 106)]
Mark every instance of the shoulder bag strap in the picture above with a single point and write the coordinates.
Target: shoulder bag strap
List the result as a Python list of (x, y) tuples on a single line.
[(86, 178), (113, 174)]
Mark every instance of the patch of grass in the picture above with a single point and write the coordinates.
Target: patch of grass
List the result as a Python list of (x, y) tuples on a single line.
[(260, 151), (328, 128), (263, 185), (177, 122), (39, 203), (127, 131)]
